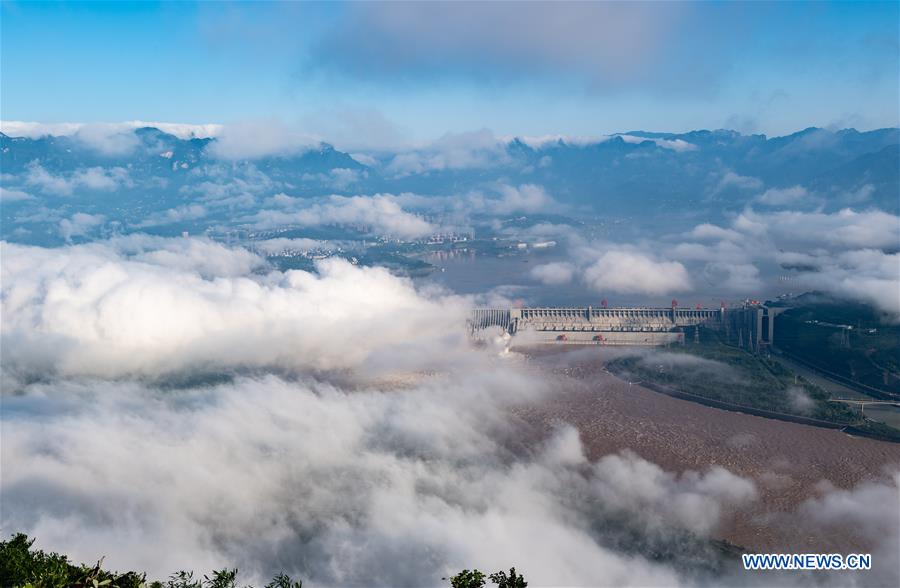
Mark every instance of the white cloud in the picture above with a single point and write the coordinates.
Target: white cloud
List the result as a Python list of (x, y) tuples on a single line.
[(731, 180), (43, 180), (524, 198), (364, 159), (836, 510), (541, 141), (40, 214), (230, 185), (800, 400), (108, 139), (92, 178), (91, 310), (34, 130), (783, 196), (98, 178), (701, 366), (322, 476), (707, 231), (848, 253), (737, 277), (868, 275), (497, 199), (632, 272), (722, 251), (324, 472), (678, 145), (12, 195), (180, 214), (380, 213), (553, 274), (692, 501), (846, 228), (453, 151), (79, 224), (254, 139), (356, 129), (604, 44), (862, 194), (339, 178), (340, 487), (344, 177), (502, 199), (207, 259)]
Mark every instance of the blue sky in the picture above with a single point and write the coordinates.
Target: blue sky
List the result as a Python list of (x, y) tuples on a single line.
[(396, 72)]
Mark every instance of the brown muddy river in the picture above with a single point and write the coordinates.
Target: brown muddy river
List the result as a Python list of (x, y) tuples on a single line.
[(788, 461)]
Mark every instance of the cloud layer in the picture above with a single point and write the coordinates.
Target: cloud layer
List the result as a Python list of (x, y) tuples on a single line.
[(848, 253), (381, 214), (121, 307), (174, 403), (340, 488), (350, 467)]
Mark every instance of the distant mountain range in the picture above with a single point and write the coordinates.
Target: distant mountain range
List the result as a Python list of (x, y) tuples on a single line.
[(151, 152), (706, 172)]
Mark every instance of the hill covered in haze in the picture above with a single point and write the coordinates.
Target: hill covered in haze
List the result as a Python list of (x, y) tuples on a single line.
[(145, 177)]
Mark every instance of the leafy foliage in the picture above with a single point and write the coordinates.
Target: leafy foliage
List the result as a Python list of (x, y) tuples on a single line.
[(467, 579), (24, 567), (475, 579), (284, 581), (511, 581)]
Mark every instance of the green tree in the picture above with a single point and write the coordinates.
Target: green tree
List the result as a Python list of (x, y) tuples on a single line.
[(475, 579), (284, 581), (467, 579), (21, 566), (221, 579), (513, 580)]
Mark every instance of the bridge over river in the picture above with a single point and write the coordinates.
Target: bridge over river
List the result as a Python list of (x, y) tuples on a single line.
[(752, 325)]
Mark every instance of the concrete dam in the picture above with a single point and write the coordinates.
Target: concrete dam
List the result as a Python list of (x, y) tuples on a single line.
[(752, 326)]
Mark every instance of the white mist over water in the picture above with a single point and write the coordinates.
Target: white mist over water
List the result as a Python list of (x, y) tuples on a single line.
[(169, 405)]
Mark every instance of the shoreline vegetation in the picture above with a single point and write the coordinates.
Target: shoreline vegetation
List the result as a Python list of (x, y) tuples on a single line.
[(22, 566)]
